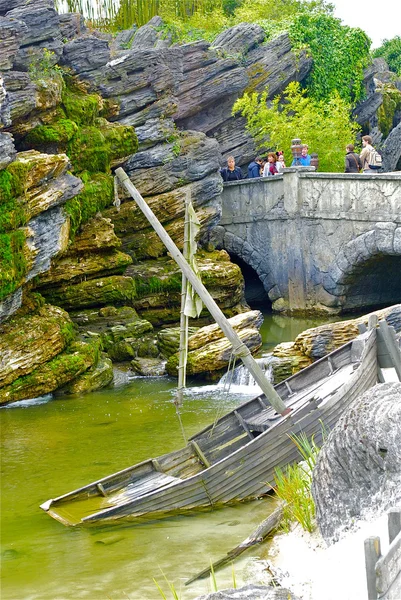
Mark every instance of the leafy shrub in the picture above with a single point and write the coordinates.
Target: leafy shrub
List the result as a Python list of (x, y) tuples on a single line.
[(390, 50), (324, 125)]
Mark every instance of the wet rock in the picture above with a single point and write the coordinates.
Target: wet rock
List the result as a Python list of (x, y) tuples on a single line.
[(169, 340), (28, 342), (95, 378), (97, 234), (148, 367), (251, 592), (115, 289), (210, 351), (54, 374), (358, 470), (75, 268)]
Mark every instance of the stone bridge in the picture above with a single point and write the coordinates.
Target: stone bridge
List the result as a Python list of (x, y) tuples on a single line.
[(317, 241)]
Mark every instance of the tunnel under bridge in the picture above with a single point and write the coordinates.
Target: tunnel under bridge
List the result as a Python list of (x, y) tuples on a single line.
[(317, 241)]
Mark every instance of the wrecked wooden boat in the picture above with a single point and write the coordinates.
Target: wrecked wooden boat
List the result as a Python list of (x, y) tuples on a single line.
[(235, 457)]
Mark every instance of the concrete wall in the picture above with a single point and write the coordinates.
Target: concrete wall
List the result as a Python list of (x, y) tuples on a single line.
[(313, 238)]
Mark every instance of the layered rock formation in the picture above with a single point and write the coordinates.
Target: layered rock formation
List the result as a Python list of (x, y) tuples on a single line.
[(379, 113), (312, 344), (358, 470)]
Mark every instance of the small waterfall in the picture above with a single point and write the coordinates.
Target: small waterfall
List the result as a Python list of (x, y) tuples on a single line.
[(241, 377)]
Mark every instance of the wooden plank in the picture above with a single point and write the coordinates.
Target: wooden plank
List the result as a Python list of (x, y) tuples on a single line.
[(256, 537), (394, 523), (372, 553), (389, 566), (199, 452)]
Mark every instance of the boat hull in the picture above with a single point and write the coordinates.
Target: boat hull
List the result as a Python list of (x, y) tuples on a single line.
[(238, 462)]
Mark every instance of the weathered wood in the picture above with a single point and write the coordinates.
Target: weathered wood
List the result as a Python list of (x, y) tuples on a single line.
[(200, 453), (261, 532), (372, 553), (390, 356), (388, 566), (240, 467), (394, 523)]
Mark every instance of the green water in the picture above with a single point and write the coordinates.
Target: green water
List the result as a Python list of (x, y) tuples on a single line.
[(53, 447)]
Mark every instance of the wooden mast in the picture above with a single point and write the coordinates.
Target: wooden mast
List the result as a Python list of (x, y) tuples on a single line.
[(239, 348)]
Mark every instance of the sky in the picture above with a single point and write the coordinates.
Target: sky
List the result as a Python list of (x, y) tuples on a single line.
[(380, 19)]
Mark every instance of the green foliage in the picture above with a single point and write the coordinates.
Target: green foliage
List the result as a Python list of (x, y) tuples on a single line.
[(340, 54), (390, 50), (98, 193), (294, 485), (324, 125), (266, 11), (44, 66), (391, 103)]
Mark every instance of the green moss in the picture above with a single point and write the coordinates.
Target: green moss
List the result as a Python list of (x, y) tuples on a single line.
[(80, 107), (98, 193), (121, 139), (391, 103), (157, 285), (19, 172), (13, 265), (88, 151), (61, 131)]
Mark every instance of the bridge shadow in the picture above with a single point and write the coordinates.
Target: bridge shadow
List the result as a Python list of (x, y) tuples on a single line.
[(255, 294)]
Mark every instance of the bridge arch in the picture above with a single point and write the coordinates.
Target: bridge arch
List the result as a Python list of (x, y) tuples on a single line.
[(367, 270), (236, 246)]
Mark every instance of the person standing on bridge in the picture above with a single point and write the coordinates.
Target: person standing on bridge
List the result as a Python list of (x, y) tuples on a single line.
[(254, 168), (270, 168), (353, 162), (231, 172), (304, 159), (369, 156)]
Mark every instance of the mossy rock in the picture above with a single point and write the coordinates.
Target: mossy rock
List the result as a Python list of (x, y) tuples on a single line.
[(95, 292), (58, 133), (14, 265), (95, 378), (135, 329), (79, 106), (30, 340), (148, 367), (66, 366), (98, 193), (121, 139), (121, 351)]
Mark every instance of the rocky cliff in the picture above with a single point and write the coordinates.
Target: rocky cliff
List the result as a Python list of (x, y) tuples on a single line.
[(73, 105)]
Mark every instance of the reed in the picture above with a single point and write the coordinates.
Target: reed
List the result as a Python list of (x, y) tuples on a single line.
[(293, 485), (114, 15)]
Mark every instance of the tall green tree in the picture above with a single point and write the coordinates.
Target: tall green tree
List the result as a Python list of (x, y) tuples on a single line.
[(340, 55), (324, 125), (391, 51)]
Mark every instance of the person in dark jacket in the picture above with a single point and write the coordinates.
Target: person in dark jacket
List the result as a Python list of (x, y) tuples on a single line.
[(231, 172), (353, 163), (254, 168)]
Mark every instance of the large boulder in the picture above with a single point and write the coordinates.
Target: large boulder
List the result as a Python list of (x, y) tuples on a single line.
[(251, 592), (358, 470), (209, 351)]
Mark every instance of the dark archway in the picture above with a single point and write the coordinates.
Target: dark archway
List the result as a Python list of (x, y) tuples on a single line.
[(255, 294), (374, 283)]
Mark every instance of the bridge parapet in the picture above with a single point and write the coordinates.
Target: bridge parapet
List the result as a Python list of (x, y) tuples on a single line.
[(308, 236)]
